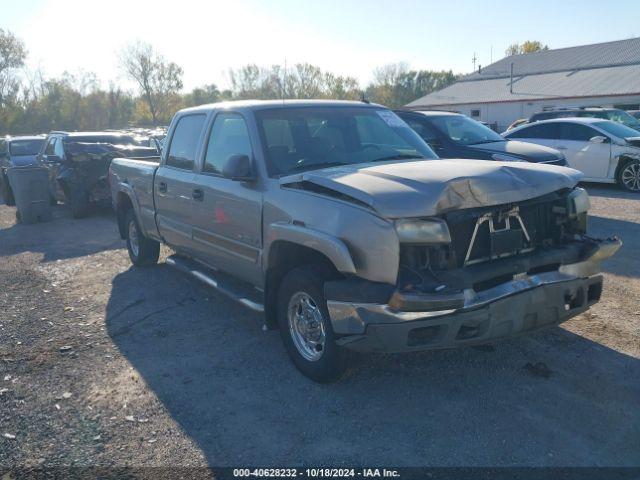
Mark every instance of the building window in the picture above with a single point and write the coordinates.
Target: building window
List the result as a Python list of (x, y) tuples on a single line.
[(475, 113)]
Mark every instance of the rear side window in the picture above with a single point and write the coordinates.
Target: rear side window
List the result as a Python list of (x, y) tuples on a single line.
[(576, 132), (546, 131), (184, 143), (229, 136)]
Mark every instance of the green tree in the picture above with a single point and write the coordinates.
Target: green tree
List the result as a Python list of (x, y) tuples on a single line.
[(529, 46)]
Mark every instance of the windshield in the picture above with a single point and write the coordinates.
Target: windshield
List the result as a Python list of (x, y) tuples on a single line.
[(307, 138), (465, 131), (619, 116), (617, 129), (25, 147)]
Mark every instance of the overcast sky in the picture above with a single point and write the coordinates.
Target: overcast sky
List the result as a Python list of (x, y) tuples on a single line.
[(348, 37)]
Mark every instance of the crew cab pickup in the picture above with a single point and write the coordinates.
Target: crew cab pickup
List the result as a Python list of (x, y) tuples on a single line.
[(339, 222)]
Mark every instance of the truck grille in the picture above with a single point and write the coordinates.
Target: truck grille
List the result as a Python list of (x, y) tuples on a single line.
[(537, 217)]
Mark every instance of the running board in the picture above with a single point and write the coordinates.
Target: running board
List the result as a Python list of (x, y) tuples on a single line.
[(220, 282)]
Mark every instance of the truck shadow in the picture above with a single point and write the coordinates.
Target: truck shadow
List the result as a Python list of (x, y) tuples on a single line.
[(552, 398), (63, 237), (626, 261)]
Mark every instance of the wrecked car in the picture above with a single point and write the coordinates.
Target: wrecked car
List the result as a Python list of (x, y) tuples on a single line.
[(19, 151), (78, 164), (341, 225)]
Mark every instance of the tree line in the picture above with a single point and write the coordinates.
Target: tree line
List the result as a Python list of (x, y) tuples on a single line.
[(30, 102)]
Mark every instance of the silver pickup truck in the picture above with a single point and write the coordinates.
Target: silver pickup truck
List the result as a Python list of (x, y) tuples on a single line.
[(340, 224)]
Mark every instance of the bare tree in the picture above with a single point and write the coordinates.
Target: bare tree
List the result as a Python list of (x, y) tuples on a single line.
[(158, 79)]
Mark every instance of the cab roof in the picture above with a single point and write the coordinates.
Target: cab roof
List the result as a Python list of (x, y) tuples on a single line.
[(264, 104)]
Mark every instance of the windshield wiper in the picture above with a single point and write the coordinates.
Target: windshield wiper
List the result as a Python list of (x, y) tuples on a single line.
[(398, 156)]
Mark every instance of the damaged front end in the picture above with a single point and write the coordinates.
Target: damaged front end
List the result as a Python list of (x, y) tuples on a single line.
[(83, 177), (474, 275)]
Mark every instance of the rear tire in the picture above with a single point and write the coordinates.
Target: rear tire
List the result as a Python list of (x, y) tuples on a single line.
[(629, 176), (305, 326), (143, 251)]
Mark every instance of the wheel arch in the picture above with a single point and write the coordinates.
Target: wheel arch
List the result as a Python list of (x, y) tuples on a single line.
[(285, 254)]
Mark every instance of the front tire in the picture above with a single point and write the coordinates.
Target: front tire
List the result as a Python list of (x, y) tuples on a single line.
[(305, 326), (143, 251), (629, 176)]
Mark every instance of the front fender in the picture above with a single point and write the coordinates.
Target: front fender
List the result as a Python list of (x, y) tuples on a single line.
[(331, 247)]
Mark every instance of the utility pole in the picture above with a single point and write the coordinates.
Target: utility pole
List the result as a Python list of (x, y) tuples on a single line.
[(474, 59)]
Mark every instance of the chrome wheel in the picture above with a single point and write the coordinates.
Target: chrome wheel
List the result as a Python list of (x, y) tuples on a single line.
[(631, 176), (306, 326), (133, 239)]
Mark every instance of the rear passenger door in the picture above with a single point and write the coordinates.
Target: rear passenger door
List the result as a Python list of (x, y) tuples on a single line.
[(173, 183), (227, 218), (546, 134)]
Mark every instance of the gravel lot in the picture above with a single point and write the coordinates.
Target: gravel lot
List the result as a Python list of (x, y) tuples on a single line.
[(105, 364)]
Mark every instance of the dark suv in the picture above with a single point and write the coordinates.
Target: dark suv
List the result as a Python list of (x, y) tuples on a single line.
[(78, 164), (16, 152), (614, 114), (452, 135)]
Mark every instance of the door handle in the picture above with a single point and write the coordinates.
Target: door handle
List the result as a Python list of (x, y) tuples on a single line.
[(561, 148), (162, 187), (197, 194)]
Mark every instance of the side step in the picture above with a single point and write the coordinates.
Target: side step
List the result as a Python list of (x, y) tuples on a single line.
[(223, 283)]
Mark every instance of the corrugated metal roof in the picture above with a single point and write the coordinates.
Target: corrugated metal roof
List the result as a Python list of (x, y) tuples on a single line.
[(621, 52), (611, 68)]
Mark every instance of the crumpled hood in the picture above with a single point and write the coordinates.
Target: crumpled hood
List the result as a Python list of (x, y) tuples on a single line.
[(23, 160), (425, 188), (529, 151)]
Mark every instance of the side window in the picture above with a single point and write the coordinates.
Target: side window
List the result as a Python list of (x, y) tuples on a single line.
[(545, 131), (229, 136), (576, 132), (3, 148), (427, 133), (58, 148), (184, 143), (49, 150)]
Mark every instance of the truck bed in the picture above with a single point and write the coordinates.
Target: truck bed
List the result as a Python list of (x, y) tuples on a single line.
[(136, 175)]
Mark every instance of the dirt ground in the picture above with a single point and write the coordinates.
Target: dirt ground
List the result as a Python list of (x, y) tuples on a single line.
[(105, 364)]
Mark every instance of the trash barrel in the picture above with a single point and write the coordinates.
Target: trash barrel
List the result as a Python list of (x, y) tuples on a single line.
[(30, 187)]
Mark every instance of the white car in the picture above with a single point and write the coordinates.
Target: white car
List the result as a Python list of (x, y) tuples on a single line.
[(604, 151)]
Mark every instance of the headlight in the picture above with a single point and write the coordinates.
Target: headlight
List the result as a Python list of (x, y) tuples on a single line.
[(431, 231), (577, 202), (501, 157)]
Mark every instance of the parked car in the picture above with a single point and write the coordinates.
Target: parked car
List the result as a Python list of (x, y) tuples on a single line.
[(78, 164), (604, 151), (634, 113), (16, 152), (517, 123), (340, 224), (453, 135), (613, 114)]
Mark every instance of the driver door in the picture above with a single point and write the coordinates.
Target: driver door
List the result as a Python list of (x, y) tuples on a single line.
[(227, 214), (590, 158)]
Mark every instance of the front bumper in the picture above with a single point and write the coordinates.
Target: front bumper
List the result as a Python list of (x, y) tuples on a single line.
[(526, 303)]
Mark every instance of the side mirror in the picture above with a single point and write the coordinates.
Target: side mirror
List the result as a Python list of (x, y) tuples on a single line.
[(237, 167), (598, 139), (53, 159)]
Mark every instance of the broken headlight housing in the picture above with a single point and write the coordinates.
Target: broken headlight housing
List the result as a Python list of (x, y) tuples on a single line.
[(574, 210), (430, 231)]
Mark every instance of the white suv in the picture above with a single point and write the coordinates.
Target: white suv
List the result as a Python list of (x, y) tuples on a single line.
[(604, 151)]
